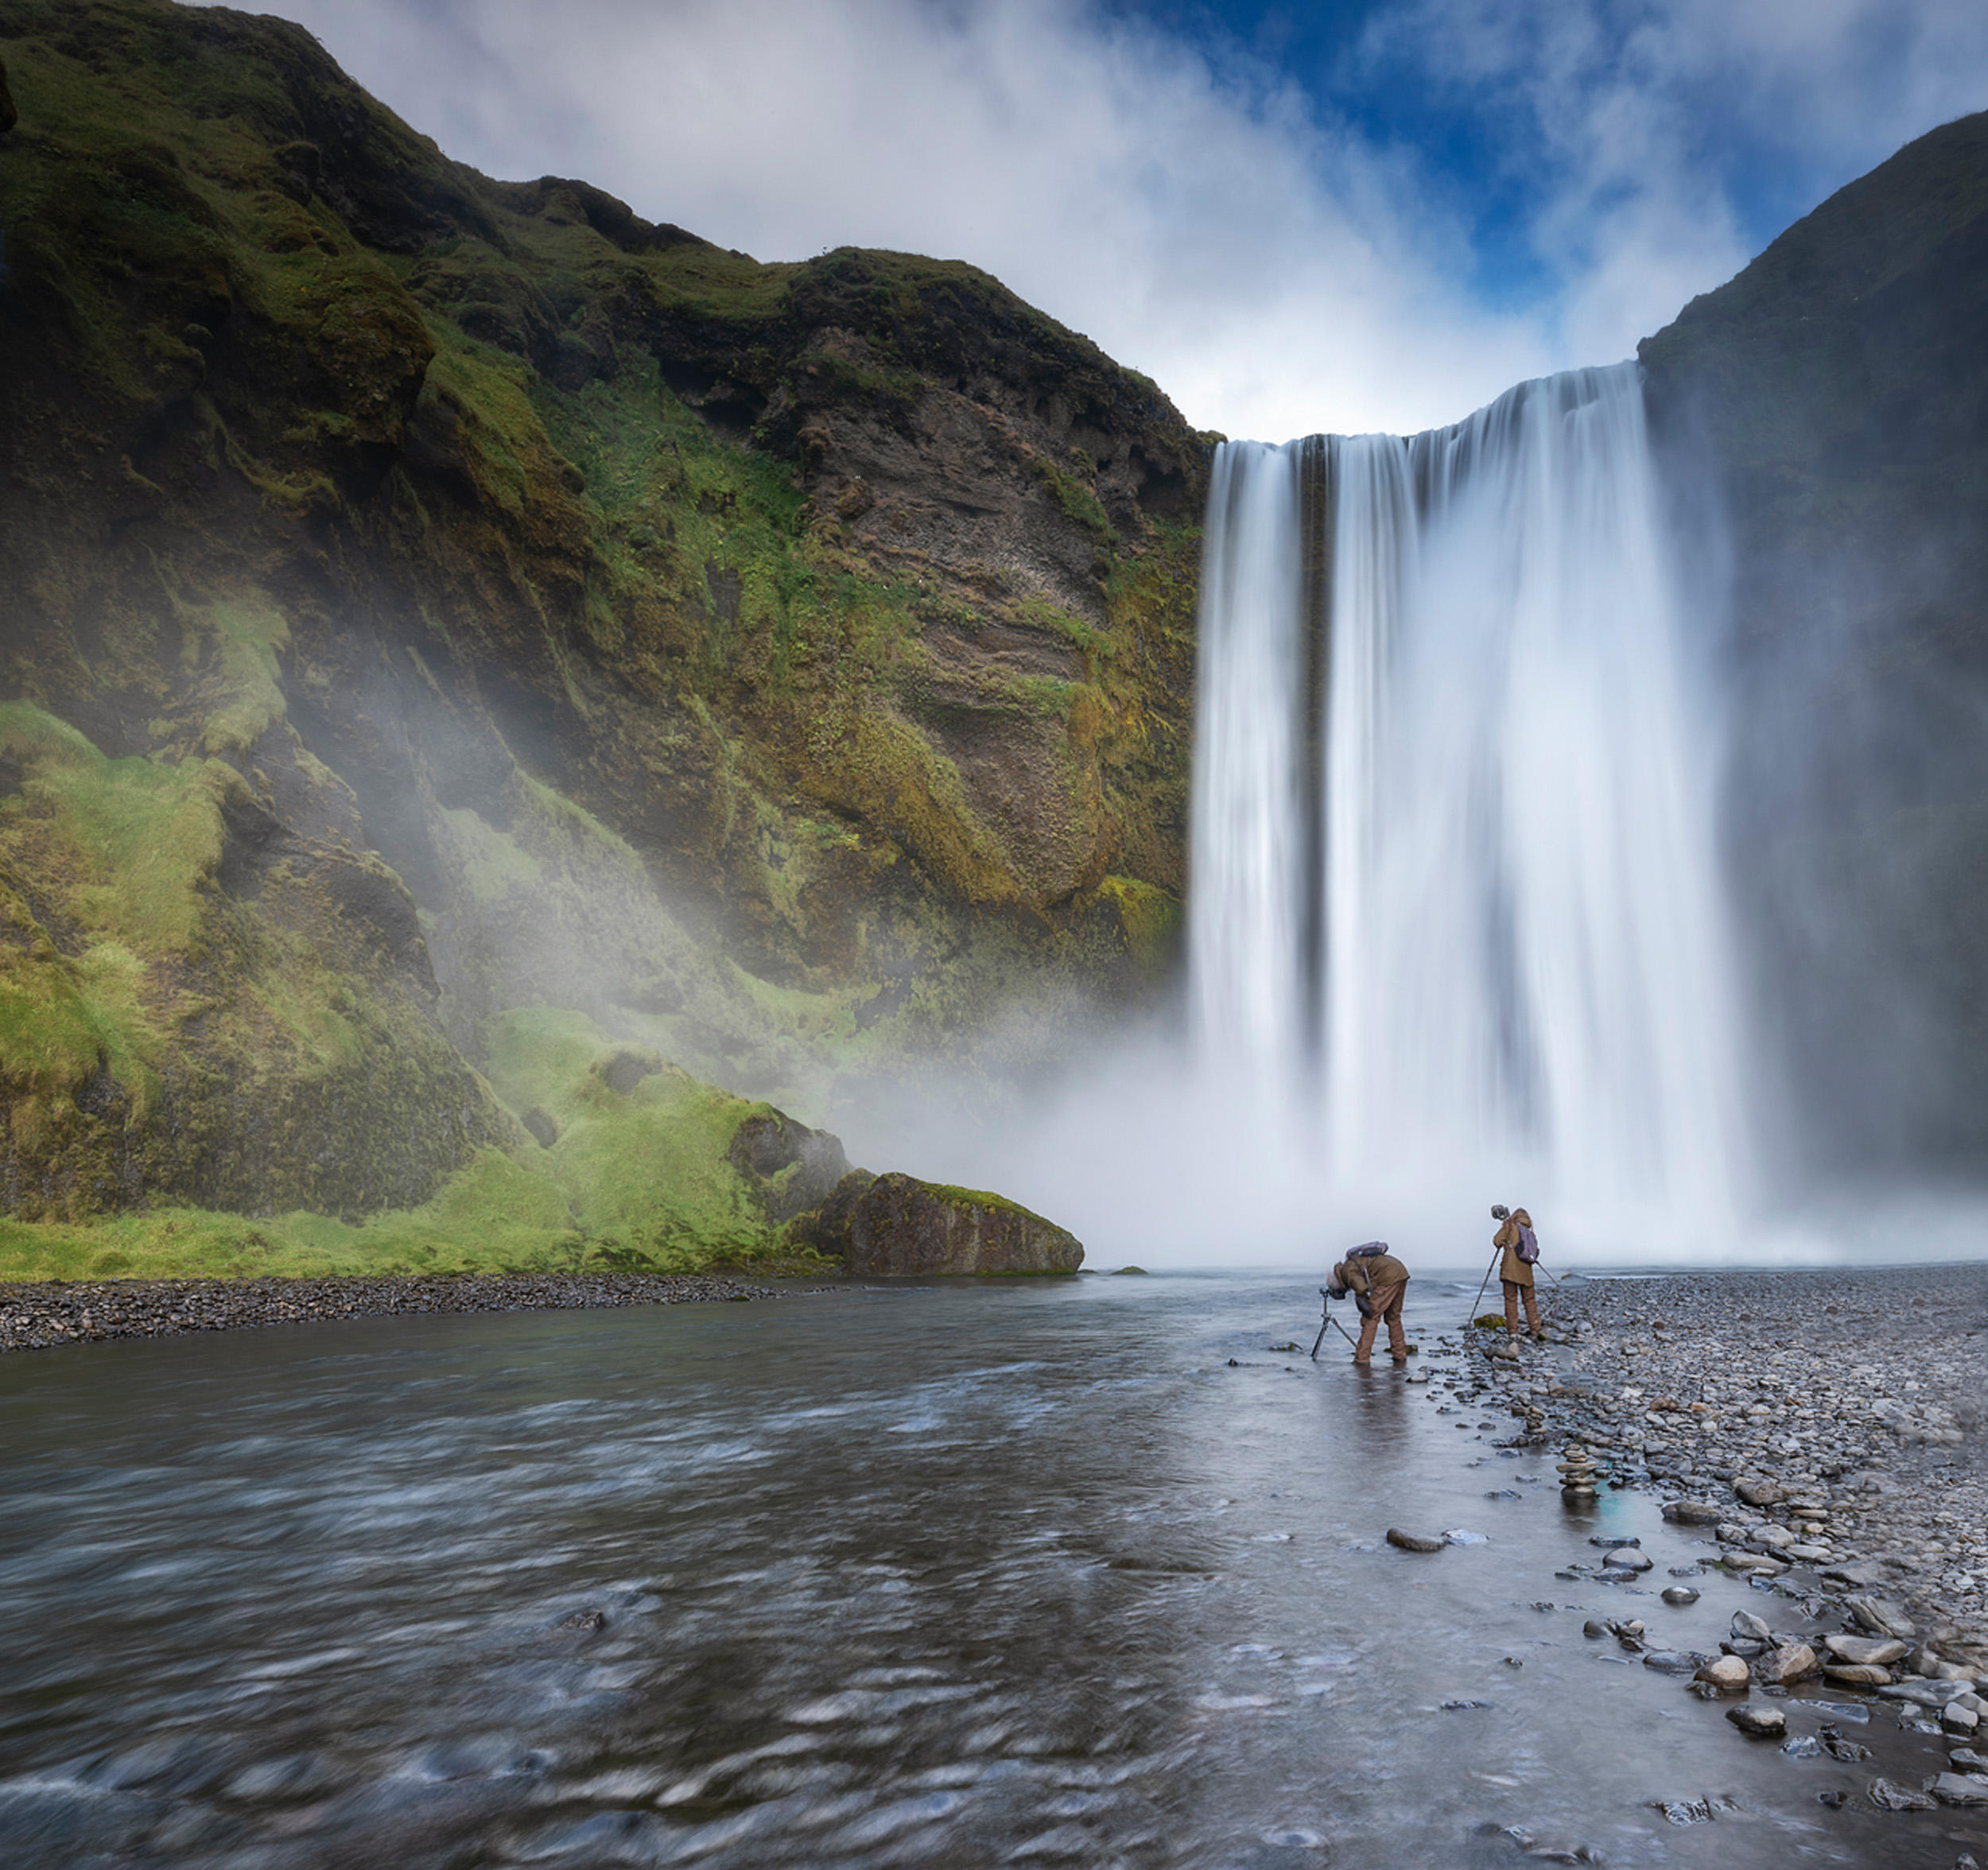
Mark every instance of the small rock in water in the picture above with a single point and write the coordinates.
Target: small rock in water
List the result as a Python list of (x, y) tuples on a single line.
[(1680, 1594), (1840, 1748), (1461, 1707), (1967, 1759), (1412, 1541), (1889, 1795), (1745, 1624), (1802, 1746), (1728, 1674), (1790, 1662), (1692, 1513), (1670, 1661), (1856, 1674), (1685, 1811), (1595, 1626), (1457, 1536), (1758, 1724), (1626, 1558)]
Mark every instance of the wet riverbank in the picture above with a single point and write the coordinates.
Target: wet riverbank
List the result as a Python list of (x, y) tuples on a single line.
[(1082, 1573), (1834, 1416), (37, 1315)]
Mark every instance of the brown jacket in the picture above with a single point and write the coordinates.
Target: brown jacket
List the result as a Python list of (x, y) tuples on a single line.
[(1361, 1276), (1513, 1270)]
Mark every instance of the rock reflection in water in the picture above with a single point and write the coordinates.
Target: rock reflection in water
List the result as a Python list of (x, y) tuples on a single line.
[(940, 1576)]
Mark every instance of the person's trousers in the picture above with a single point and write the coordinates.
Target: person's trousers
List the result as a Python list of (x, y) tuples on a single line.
[(1512, 1289), (1384, 1301)]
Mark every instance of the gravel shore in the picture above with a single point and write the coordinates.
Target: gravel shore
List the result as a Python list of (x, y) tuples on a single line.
[(1820, 1433), (1861, 1393), (37, 1315)]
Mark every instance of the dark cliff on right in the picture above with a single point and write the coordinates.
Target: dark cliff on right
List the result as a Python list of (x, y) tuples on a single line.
[(1823, 423)]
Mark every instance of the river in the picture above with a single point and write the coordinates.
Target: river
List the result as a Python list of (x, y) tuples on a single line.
[(956, 1575)]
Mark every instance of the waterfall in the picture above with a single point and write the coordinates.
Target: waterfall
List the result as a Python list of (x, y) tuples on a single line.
[(1454, 906)]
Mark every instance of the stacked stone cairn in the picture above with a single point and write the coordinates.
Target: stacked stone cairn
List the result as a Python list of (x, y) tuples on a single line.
[(1576, 1476)]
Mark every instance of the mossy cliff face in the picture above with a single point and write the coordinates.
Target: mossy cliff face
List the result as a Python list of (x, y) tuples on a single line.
[(423, 597), (1835, 397)]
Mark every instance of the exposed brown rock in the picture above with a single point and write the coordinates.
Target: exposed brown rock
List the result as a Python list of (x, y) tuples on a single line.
[(901, 1227)]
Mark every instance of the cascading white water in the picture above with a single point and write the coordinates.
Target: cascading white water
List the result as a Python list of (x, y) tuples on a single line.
[(1454, 898)]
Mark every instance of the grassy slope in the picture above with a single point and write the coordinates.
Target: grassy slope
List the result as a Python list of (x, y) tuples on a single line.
[(635, 1179)]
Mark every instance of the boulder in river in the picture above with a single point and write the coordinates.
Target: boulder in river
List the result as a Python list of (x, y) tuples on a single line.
[(901, 1227), (1758, 1724), (1954, 1788)]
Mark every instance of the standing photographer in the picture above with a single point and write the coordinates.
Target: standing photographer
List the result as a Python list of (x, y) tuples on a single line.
[(1521, 1248)]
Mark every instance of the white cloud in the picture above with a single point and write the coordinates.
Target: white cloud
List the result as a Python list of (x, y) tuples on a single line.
[(1273, 271), (1644, 127)]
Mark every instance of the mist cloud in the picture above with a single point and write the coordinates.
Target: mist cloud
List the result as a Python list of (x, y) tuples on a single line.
[(1204, 218)]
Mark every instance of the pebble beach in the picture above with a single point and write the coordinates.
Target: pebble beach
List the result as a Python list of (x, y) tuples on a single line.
[(38, 1315), (1819, 1432)]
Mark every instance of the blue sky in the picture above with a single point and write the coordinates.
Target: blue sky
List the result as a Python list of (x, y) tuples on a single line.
[(1365, 214)]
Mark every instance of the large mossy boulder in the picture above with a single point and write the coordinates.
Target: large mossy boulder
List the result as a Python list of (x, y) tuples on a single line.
[(902, 1226)]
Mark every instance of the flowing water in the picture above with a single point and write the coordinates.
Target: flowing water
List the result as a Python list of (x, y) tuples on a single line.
[(1455, 900), (951, 1576)]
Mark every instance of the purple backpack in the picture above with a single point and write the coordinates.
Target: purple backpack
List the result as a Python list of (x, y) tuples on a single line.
[(1528, 1245)]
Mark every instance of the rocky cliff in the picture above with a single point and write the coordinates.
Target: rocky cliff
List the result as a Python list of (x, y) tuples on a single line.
[(1825, 419), (423, 598)]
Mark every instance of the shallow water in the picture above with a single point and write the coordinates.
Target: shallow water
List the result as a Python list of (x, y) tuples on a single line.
[(953, 1575)]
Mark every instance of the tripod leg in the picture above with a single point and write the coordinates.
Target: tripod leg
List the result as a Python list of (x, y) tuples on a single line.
[(1479, 1299)]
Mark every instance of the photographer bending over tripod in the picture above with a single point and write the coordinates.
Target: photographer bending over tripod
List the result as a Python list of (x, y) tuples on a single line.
[(1378, 1282)]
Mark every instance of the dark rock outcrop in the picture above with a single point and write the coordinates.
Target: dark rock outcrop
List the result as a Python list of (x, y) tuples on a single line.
[(826, 1229), (793, 1168), (900, 1226), (1824, 420)]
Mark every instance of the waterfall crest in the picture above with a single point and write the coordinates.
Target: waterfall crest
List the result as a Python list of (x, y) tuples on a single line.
[(1454, 903)]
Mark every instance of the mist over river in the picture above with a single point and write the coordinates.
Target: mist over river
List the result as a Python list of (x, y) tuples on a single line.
[(937, 1575)]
